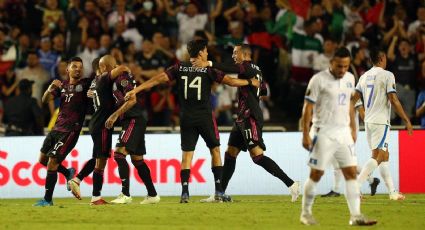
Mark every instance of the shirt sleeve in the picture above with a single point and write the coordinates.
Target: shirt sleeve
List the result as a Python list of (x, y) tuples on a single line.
[(216, 75), (421, 100), (313, 90), (172, 72), (390, 83), (118, 95), (359, 86)]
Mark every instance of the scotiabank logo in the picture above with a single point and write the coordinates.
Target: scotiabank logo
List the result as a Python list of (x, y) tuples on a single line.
[(24, 173)]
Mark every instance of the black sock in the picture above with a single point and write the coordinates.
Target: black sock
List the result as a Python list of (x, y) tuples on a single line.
[(228, 169), (124, 172), (51, 178), (145, 175), (218, 173), (64, 171), (97, 181), (87, 169), (270, 166), (184, 176)]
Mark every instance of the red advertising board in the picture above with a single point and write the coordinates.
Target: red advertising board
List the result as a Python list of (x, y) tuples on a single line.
[(412, 161)]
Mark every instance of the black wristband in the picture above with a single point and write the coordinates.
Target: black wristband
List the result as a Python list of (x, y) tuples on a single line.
[(249, 82)]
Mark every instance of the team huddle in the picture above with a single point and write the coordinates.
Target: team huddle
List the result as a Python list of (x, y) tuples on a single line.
[(330, 100)]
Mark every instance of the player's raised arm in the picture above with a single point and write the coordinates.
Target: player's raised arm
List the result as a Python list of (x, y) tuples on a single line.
[(50, 93), (119, 70), (235, 82), (225, 67), (124, 108), (158, 79), (400, 111)]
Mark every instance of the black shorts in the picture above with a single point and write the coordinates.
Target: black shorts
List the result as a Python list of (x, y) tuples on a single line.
[(132, 136), (102, 143), (58, 144), (208, 130), (247, 134)]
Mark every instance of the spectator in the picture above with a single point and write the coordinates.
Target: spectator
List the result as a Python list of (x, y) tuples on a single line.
[(97, 22), (163, 104), (120, 14), (151, 61), (89, 53), (34, 72), (420, 102), (147, 21), (189, 21), (47, 57), (321, 62), (8, 85), (418, 24), (59, 45), (22, 51), (359, 64), (7, 53), (105, 43), (162, 45), (22, 114)]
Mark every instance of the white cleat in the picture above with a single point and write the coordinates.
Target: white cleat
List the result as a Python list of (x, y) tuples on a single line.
[(295, 191), (122, 199), (308, 219), (210, 199), (397, 196), (151, 200), (75, 188), (361, 220)]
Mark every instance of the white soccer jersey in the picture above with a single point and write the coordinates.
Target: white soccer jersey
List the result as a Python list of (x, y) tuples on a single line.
[(331, 97), (374, 85), (358, 104)]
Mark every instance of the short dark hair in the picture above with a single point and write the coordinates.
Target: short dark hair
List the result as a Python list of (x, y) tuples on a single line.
[(375, 55), (342, 52), (75, 59), (196, 46), (95, 64)]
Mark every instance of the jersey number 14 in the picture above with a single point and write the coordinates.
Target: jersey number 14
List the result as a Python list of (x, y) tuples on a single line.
[(195, 84)]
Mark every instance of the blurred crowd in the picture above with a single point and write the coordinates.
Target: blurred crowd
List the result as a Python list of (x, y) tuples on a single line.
[(291, 39)]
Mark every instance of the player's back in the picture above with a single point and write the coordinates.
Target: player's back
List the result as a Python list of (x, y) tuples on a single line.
[(103, 101), (123, 84), (374, 85), (194, 89)]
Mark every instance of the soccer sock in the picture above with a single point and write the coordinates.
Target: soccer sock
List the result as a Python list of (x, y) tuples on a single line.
[(218, 173), (352, 195), (228, 170), (368, 168), (145, 174), (308, 196), (124, 172), (51, 178), (184, 175), (337, 180), (270, 166), (386, 175), (97, 181), (87, 169), (64, 171)]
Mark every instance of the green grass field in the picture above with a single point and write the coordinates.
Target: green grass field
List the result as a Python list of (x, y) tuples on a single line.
[(247, 212)]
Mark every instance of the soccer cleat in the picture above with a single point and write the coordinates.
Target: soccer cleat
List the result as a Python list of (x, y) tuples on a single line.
[(295, 191), (331, 194), (43, 203), (397, 196), (68, 178), (75, 188), (361, 220), (151, 200), (184, 198), (227, 198), (122, 199), (374, 185), (212, 199), (308, 219), (99, 202)]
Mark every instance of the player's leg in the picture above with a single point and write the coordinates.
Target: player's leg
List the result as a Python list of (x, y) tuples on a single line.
[(337, 176), (98, 181), (51, 179), (189, 137), (373, 181), (217, 169), (145, 174), (385, 172), (229, 165), (124, 174)]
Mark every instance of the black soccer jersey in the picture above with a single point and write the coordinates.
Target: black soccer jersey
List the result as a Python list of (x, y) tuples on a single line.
[(194, 89), (103, 102), (122, 85)]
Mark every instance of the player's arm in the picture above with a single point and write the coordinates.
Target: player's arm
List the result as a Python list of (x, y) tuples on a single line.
[(361, 111), (235, 82), (420, 111), (49, 94), (123, 108), (306, 119), (400, 111), (352, 120), (119, 70), (158, 79), (225, 67)]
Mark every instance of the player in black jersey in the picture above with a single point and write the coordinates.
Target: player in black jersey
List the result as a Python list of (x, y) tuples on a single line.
[(196, 116), (62, 139), (246, 133), (131, 141)]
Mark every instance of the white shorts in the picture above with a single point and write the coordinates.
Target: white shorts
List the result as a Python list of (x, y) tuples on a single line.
[(377, 136), (326, 149)]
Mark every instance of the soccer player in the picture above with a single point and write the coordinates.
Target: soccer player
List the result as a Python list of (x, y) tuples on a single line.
[(247, 132), (377, 87), (197, 118), (131, 141), (337, 173), (327, 100), (103, 102), (62, 139)]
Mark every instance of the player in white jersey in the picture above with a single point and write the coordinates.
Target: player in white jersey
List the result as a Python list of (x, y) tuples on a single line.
[(328, 100), (377, 87), (337, 173)]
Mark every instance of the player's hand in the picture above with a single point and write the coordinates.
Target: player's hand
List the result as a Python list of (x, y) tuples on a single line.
[(90, 93), (409, 128), (199, 63), (56, 84), (129, 95), (255, 82), (110, 122), (307, 142)]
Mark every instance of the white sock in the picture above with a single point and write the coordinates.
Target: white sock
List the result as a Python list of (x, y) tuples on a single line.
[(352, 195), (384, 169), (337, 180), (368, 168), (76, 179), (308, 196)]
